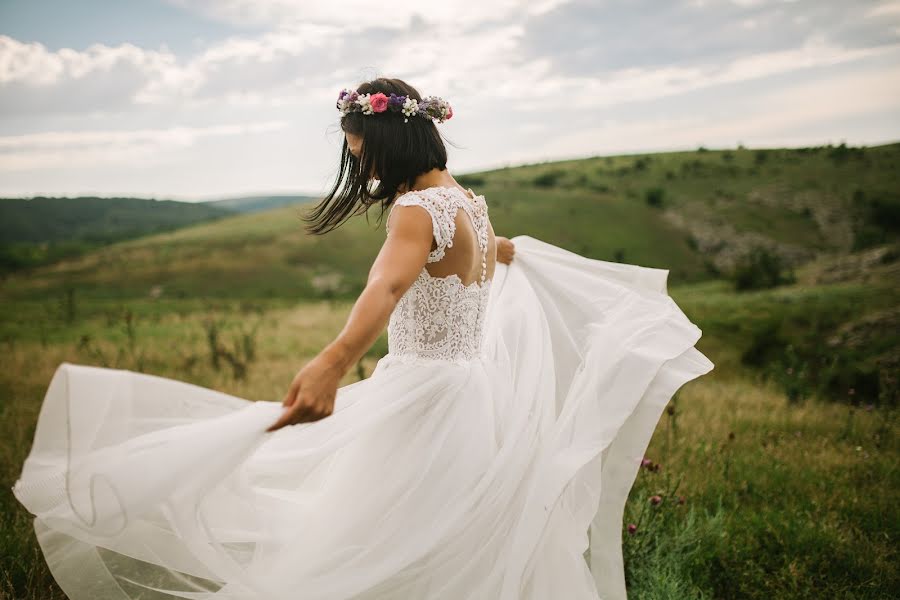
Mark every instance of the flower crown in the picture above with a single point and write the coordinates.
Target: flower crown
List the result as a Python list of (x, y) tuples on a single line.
[(430, 107)]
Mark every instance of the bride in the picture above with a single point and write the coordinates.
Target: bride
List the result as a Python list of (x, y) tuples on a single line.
[(488, 456)]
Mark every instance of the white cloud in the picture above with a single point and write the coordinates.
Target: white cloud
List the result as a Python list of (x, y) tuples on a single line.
[(355, 15), (883, 9), (630, 85), (773, 116), (508, 67), (53, 149)]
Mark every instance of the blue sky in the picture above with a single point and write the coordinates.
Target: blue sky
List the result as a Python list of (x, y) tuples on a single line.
[(197, 99)]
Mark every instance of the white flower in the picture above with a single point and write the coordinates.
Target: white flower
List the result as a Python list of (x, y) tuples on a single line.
[(365, 103), (410, 107)]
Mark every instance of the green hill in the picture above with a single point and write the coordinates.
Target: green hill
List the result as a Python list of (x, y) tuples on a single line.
[(40, 230), (694, 213), (248, 204), (774, 466)]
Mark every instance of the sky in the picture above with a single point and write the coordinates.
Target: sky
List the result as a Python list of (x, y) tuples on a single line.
[(203, 99)]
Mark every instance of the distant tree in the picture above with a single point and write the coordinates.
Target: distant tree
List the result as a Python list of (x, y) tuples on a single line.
[(760, 268), (548, 178), (655, 196)]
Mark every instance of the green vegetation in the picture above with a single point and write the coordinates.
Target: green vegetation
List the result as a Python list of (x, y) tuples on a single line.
[(770, 477), (41, 230)]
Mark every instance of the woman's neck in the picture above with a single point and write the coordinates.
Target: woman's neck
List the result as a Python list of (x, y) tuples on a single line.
[(433, 178)]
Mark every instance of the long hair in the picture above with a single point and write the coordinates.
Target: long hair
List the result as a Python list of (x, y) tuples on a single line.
[(396, 152)]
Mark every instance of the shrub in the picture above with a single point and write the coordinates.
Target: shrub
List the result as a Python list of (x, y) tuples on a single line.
[(760, 269), (655, 196), (876, 218), (548, 178)]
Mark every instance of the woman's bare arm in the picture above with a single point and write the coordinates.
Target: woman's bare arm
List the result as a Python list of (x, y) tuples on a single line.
[(398, 264), (401, 258)]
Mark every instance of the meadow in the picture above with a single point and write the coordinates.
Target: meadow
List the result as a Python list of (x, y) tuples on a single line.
[(771, 477)]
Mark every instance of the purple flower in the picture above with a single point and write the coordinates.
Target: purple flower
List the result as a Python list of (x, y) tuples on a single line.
[(396, 100)]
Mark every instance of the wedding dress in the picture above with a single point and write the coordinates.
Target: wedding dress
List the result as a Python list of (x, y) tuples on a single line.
[(507, 420)]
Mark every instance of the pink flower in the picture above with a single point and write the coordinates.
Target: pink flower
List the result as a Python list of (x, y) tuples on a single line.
[(449, 112), (647, 463), (379, 102), (655, 500), (632, 528)]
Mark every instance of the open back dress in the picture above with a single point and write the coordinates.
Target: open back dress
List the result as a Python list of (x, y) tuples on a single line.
[(488, 456)]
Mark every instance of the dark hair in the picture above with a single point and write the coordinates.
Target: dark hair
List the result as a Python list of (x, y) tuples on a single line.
[(395, 151)]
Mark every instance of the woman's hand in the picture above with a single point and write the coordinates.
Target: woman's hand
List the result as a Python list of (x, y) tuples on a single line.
[(401, 259), (505, 250), (312, 392)]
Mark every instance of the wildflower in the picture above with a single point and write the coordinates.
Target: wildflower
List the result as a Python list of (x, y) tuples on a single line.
[(632, 528), (655, 499), (379, 102)]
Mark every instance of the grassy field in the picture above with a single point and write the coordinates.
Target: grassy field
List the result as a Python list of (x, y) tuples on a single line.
[(771, 477)]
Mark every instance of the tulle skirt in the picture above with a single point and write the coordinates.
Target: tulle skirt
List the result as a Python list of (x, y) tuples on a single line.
[(430, 480)]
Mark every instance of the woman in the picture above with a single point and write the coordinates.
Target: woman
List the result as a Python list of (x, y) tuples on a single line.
[(506, 422)]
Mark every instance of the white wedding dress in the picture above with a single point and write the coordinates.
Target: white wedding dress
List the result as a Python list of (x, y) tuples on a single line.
[(507, 419)]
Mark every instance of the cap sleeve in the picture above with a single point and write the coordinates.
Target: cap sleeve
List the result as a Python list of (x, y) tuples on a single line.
[(443, 218)]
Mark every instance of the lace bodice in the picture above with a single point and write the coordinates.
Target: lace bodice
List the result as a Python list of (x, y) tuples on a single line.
[(440, 318)]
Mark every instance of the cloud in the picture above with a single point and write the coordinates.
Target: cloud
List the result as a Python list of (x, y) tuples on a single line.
[(34, 80), (54, 149), (779, 116), (611, 53), (594, 38), (356, 15)]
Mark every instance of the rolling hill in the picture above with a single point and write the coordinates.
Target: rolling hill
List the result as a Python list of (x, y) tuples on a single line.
[(694, 213)]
